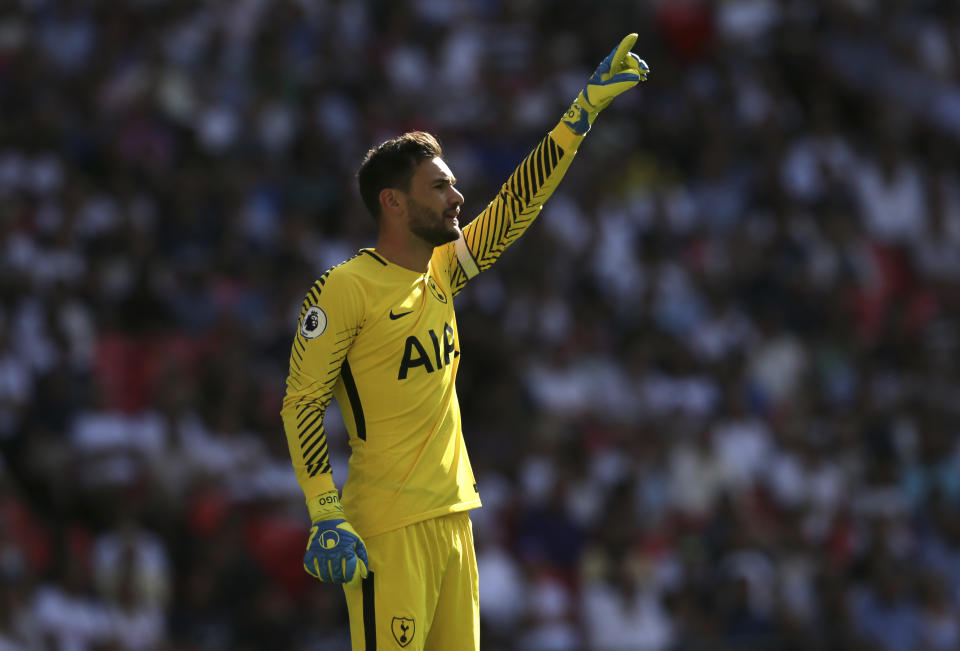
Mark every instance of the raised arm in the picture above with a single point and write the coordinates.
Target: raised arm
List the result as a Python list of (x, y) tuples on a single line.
[(533, 181)]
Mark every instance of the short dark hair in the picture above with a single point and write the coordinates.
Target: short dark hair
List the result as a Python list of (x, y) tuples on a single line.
[(391, 165)]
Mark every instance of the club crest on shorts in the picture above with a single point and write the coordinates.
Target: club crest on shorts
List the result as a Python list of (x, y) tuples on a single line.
[(402, 628), (314, 322)]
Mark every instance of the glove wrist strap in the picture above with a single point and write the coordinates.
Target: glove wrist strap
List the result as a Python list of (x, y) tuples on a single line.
[(580, 116), (325, 506)]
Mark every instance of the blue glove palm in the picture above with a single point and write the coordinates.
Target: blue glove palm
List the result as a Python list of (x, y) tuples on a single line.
[(621, 70), (335, 553)]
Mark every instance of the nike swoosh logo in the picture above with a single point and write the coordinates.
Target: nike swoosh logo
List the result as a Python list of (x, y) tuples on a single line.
[(394, 317)]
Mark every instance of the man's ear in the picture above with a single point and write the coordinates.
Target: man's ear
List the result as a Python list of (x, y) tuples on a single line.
[(390, 201)]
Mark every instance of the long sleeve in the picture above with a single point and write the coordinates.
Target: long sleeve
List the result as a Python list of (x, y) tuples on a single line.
[(514, 208), (330, 319)]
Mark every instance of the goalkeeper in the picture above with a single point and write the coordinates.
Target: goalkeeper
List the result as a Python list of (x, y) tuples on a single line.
[(378, 333)]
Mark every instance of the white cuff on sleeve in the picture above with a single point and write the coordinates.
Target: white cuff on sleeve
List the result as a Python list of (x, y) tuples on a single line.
[(466, 258)]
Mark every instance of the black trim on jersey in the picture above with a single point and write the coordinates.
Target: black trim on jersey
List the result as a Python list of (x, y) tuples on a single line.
[(375, 257), (315, 423), (323, 463), (354, 397), (555, 153), (369, 613)]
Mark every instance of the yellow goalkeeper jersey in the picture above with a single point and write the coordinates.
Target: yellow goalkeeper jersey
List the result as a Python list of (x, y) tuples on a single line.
[(382, 340)]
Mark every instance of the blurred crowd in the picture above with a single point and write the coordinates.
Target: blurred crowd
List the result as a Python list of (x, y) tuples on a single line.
[(712, 397)]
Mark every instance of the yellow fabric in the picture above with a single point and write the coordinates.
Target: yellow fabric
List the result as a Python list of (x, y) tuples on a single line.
[(382, 340), (516, 205), (325, 506), (316, 485), (423, 578), (566, 137)]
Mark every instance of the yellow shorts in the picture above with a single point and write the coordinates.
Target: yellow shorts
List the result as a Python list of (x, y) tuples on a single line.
[(422, 591)]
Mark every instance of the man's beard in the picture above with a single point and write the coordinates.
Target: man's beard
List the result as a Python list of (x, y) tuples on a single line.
[(429, 225)]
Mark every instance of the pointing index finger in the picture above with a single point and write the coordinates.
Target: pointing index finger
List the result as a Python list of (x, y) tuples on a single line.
[(625, 45)]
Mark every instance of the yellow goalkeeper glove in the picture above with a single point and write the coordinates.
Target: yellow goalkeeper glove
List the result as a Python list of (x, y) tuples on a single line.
[(335, 553), (620, 71)]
